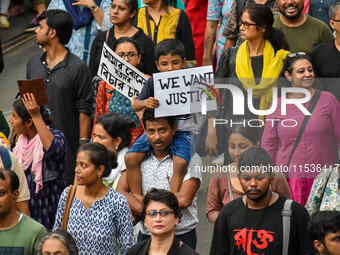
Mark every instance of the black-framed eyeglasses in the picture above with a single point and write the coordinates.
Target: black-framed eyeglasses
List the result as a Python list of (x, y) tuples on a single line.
[(336, 20), (130, 55), (162, 213), (245, 24), (293, 55)]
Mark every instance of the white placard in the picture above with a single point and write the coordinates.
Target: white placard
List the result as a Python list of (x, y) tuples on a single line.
[(121, 75), (180, 92)]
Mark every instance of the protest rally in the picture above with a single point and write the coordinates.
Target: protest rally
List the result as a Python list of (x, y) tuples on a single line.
[(170, 127)]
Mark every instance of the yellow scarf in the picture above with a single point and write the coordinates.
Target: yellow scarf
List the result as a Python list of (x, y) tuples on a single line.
[(272, 66)]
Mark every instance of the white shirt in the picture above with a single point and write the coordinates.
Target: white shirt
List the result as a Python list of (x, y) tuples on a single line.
[(157, 174)]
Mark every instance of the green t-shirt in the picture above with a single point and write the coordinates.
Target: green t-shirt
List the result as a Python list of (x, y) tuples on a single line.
[(21, 239), (306, 37)]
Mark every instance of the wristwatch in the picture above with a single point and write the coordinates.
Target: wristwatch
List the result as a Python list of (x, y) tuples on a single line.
[(83, 141), (93, 7)]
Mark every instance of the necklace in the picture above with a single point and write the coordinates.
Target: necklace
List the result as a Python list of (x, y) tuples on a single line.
[(270, 198)]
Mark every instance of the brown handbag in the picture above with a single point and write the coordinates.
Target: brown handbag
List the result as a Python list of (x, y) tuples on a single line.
[(71, 192)]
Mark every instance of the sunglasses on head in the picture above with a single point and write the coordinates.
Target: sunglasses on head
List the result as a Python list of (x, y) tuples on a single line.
[(293, 55)]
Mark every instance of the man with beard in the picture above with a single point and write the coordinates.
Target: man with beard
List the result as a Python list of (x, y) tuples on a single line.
[(67, 81), (253, 224), (324, 229), (303, 32)]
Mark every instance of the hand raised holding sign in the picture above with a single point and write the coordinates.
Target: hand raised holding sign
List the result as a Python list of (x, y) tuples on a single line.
[(151, 102), (31, 105)]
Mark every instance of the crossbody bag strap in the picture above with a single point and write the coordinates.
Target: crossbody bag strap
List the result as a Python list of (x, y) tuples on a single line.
[(304, 123), (71, 192), (147, 16), (231, 194), (286, 215)]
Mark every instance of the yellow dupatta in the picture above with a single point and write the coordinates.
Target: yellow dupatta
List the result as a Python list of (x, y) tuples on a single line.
[(272, 66)]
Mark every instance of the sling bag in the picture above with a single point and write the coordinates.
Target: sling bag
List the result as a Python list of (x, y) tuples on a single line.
[(70, 195), (304, 123)]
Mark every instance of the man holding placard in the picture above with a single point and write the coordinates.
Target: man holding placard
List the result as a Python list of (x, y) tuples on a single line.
[(67, 81)]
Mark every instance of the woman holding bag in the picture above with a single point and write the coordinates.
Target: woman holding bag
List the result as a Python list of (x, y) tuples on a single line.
[(256, 64), (319, 142)]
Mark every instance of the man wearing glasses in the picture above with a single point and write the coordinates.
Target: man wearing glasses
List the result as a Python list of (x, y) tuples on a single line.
[(326, 56), (302, 32), (157, 170)]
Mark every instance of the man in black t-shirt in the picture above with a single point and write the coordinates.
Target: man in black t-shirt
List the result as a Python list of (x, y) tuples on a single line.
[(253, 224)]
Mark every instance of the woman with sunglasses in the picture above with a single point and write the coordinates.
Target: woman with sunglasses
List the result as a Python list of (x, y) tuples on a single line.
[(121, 14), (161, 215), (256, 64), (319, 146)]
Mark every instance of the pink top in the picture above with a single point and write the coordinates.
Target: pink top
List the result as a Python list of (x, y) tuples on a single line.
[(218, 194), (316, 146)]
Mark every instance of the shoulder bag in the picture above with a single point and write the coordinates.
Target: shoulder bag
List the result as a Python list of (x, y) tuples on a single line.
[(304, 123), (70, 195)]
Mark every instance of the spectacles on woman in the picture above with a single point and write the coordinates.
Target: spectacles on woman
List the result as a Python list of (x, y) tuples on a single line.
[(246, 24), (130, 55), (336, 20), (154, 213), (293, 55)]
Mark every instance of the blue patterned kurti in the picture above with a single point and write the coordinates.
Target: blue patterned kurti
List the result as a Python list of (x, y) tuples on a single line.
[(77, 41), (99, 229)]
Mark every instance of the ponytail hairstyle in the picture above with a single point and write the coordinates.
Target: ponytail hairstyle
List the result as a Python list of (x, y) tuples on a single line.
[(117, 126), (263, 17), (100, 156), (24, 115)]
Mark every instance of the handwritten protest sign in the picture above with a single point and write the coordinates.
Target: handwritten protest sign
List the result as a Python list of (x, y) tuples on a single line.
[(118, 73), (180, 92)]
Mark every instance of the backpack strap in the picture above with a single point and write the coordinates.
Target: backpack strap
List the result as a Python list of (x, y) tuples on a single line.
[(286, 215), (6, 158)]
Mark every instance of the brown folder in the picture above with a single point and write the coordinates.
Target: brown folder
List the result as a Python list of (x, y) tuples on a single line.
[(35, 86)]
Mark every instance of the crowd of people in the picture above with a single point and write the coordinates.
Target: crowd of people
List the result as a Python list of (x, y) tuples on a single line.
[(97, 172)]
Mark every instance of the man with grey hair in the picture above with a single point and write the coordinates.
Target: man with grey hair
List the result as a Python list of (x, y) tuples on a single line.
[(326, 56)]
